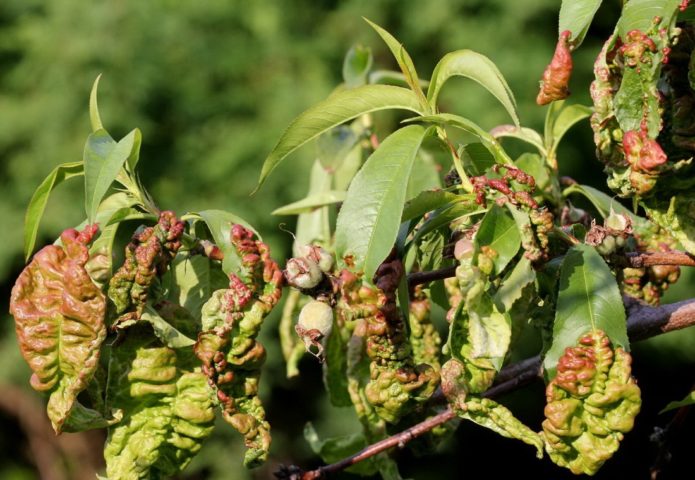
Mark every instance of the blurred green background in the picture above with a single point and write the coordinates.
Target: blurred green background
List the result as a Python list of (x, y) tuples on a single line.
[(212, 85)]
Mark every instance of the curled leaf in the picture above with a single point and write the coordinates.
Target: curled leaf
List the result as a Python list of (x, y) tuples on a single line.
[(227, 347), (556, 77), (59, 319), (592, 402)]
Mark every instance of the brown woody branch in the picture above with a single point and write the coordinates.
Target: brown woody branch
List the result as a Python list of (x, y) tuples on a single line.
[(644, 321), (634, 260)]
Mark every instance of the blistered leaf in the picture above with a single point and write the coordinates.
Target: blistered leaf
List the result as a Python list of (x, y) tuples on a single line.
[(59, 319), (591, 403), (477, 67), (368, 222), (338, 108), (498, 418), (589, 300), (640, 14), (576, 16), (169, 410), (556, 77), (499, 234), (39, 199), (103, 160)]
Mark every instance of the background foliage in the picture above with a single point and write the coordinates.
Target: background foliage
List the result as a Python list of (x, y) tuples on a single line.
[(212, 85)]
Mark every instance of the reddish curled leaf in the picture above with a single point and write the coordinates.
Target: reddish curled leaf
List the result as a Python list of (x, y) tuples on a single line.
[(556, 77), (592, 402), (227, 347), (641, 152), (59, 319), (148, 254)]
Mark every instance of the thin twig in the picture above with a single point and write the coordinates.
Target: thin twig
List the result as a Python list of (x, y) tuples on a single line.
[(644, 321), (634, 259)]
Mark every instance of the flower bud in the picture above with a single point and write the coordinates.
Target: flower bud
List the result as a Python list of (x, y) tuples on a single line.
[(315, 324), (302, 273), (322, 257)]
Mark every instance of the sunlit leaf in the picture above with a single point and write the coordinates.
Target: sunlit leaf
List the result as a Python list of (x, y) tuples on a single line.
[(576, 16), (499, 233), (311, 203)]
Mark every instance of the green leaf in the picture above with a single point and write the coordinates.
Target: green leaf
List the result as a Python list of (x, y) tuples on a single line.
[(368, 222), (333, 146), (220, 224), (94, 117), (338, 108), (639, 14), (425, 175), (499, 232), (164, 331), (404, 61), (688, 400), (466, 125), (39, 199), (443, 216), (512, 287), (348, 167), (566, 119), (602, 202), (103, 161), (335, 370), (533, 164), (589, 300), (356, 65), (193, 280), (392, 77), (576, 16), (127, 213), (477, 67), (524, 134), (311, 203), (427, 201), (336, 448), (476, 158), (314, 227)]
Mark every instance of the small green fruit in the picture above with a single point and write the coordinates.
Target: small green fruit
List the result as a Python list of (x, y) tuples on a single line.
[(314, 325)]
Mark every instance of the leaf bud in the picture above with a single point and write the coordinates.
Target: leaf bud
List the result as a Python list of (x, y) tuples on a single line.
[(302, 273)]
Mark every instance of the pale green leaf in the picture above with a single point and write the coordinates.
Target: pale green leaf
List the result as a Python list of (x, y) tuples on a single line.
[(311, 203), (39, 199), (103, 161), (566, 119), (428, 201), (576, 16), (94, 117), (368, 222), (498, 232), (193, 280), (314, 227), (589, 300), (404, 61), (513, 285), (602, 202), (443, 216), (524, 134), (356, 65), (164, 331), (477, 67), (338, 108)]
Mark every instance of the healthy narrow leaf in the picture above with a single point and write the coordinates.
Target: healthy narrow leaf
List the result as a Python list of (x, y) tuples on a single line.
[(576, 16), (39, 199), (477, 67), (404, 62), (688, 400), (498, 232), (368, 222), (589, 300), (391, 77), (602, 202), (94, 117), (338, 108), (524, 134), (356, 66), (311, 203), (102, 162), (445, 215), (428, 201), (314, 227), (466, 125), (566, 119)]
